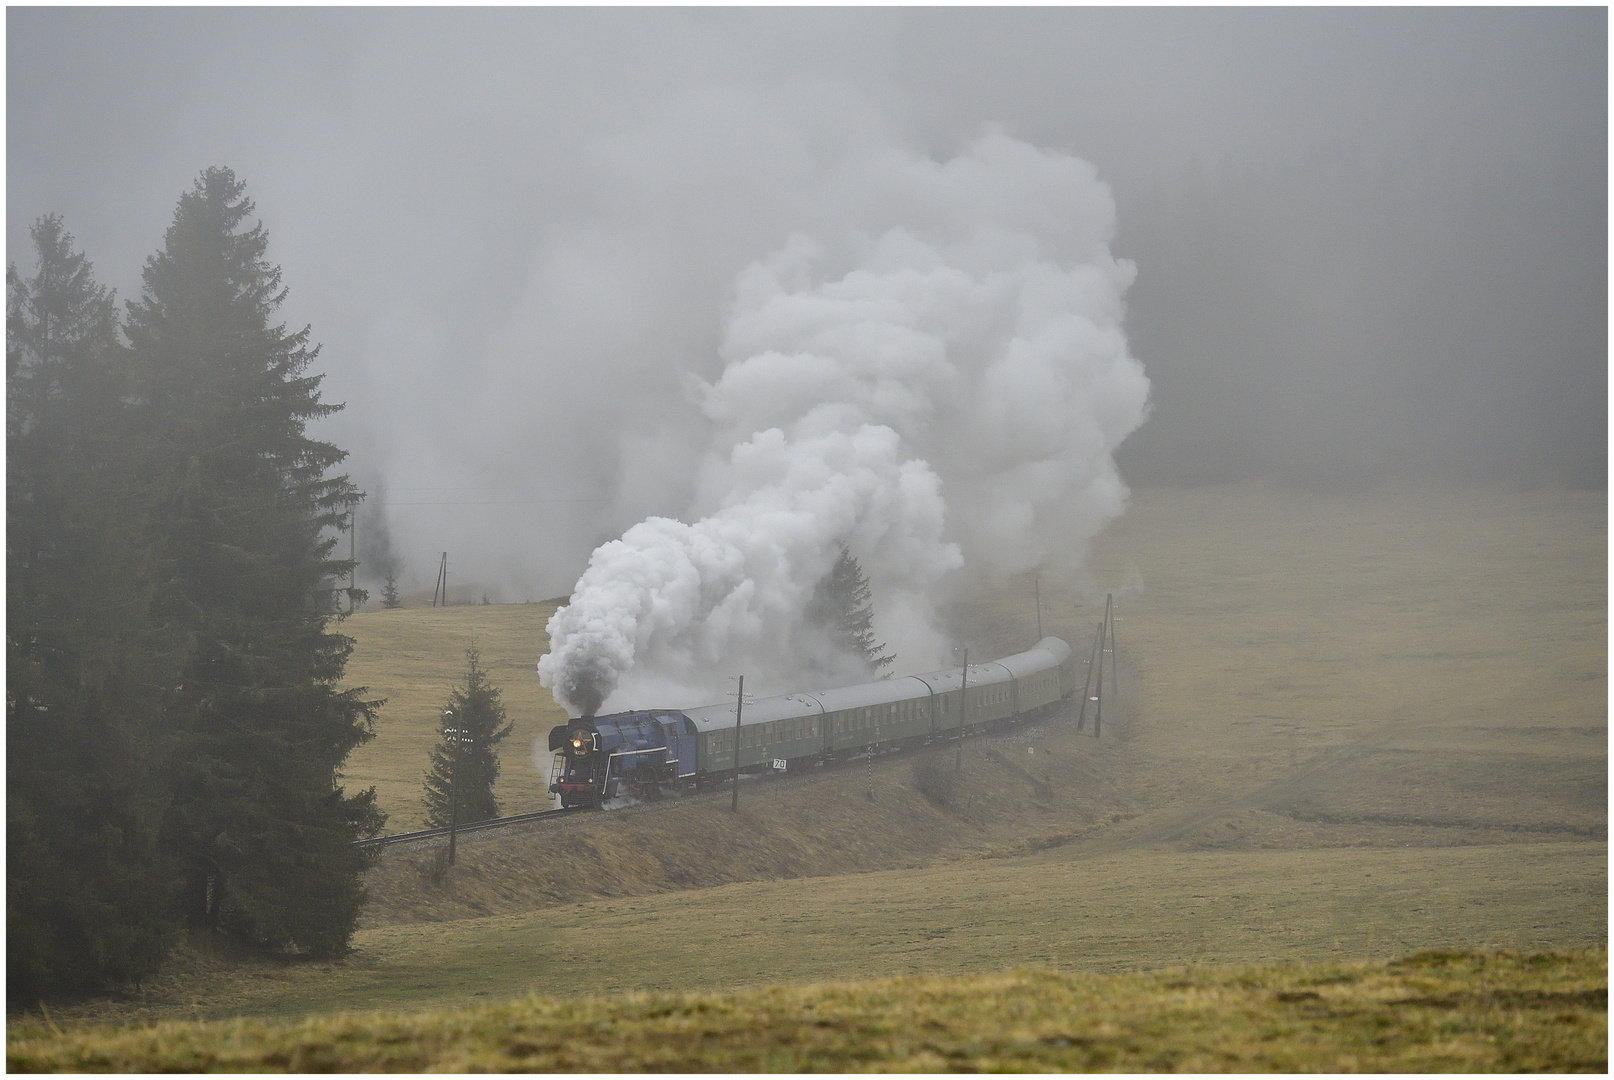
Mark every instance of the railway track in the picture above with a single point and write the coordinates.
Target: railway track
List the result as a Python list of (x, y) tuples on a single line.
[(518, 819), (491, 823)]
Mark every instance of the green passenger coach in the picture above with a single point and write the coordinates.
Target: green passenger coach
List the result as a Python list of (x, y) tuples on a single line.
[(654, 750), (795, 730)]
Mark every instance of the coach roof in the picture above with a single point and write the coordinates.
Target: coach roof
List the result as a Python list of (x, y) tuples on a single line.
[(761, 711), (882, 692), (1050, 652)]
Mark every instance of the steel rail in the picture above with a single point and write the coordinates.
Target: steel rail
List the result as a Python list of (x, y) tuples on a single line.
[(490, 823)]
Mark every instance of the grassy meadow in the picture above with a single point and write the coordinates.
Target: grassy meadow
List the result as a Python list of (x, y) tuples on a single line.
[(1429, 1012), (1350, 727), (414, 657)]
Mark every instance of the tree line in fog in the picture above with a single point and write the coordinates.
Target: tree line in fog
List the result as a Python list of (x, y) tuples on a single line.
[(174, 722)]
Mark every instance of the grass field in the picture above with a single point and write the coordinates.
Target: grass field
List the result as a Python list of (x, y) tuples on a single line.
[(413, 657), (1451, 645), (1428, 1012), (1115, 913), (1349, 727)]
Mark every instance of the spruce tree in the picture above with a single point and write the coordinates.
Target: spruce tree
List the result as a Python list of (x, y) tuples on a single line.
[(464, 765), (245, 513), (87, 888), (841, 609)]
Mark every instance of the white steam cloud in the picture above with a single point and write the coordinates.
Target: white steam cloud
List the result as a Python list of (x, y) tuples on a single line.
[(938, 381)]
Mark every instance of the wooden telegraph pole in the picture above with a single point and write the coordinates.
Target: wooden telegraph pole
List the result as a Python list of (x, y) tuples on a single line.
[(1109, 619), (442, 581), (1098, 716), (739, 706), (453, 783), (1087, 684), (963, 691), (352, 555)]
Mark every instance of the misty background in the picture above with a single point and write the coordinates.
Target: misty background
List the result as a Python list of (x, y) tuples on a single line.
[(1368, 243)]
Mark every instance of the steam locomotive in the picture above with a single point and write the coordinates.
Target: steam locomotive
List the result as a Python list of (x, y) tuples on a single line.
[(651, 752)]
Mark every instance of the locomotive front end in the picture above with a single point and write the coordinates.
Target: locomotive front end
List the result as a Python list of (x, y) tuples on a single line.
[(579, 773)]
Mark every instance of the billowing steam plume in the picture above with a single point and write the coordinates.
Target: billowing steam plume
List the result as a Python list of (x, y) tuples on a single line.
[(937, 381)]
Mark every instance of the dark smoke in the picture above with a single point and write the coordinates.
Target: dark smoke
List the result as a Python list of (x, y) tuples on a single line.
[(586, 684)]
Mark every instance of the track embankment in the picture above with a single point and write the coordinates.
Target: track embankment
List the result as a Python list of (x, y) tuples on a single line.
[(816, 824)]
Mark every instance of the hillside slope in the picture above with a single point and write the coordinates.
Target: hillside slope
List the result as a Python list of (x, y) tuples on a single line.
[(1349, 726)]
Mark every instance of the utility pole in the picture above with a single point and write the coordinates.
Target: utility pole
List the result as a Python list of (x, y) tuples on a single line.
[(352, 555), (453, 783), (739, 706), (963, 697), (1087, 684), (460, 735), (1109, 618), (1098, 717), (442, 581)]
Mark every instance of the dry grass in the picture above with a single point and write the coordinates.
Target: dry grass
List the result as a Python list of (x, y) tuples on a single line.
[(413, 657), (1349, 726), (1052, 908), (1420, 659), (1432, 1012)]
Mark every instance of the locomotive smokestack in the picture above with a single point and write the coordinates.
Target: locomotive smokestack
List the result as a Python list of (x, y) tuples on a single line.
[(585, 685)]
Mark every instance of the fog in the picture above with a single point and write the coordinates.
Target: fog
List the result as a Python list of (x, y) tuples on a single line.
[(1355, 245)]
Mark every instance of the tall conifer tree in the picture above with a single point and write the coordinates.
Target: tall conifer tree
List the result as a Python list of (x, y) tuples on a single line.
[(87, 888), (245, 513), (841, 608)]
